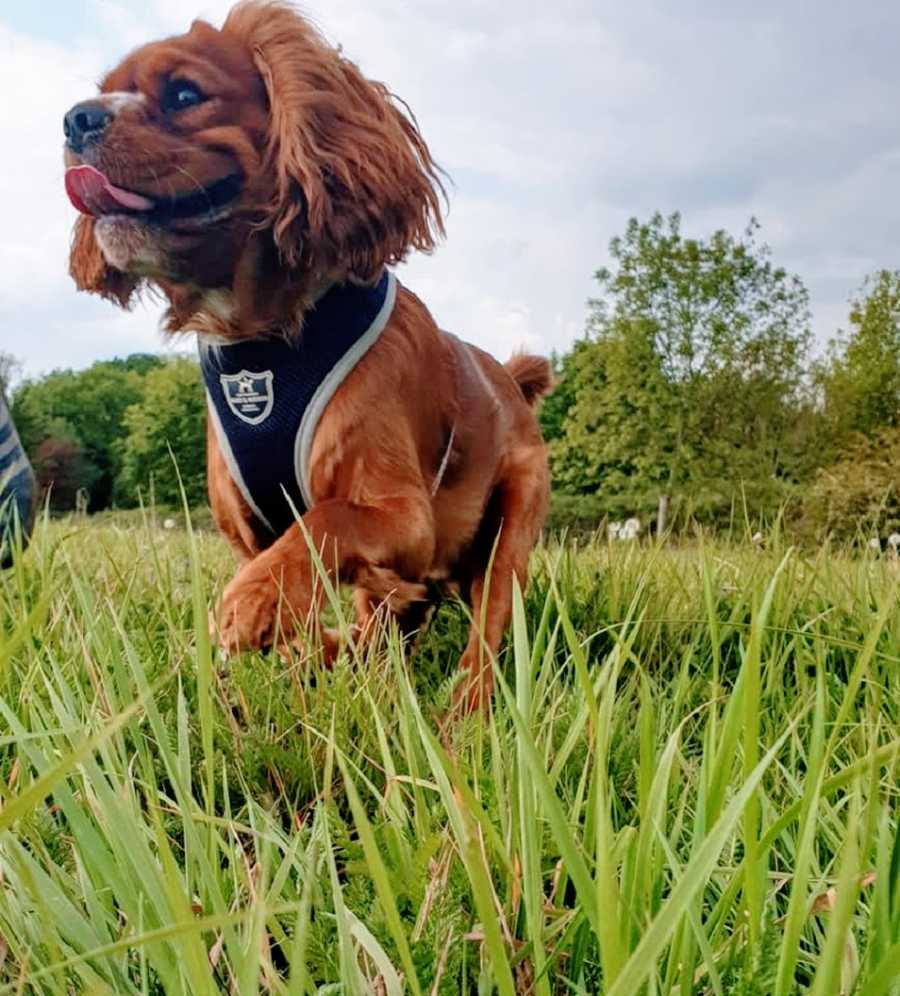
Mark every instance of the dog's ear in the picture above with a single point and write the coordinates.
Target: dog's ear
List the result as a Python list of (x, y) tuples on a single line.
[(91, 272), (355, 185)]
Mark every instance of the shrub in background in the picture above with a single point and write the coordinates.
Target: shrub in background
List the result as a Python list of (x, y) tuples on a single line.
[(170, 416), (860, 492)]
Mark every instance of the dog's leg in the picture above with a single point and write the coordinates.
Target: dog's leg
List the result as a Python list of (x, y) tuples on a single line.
[(365, 607), (519, 508), (379, 546)]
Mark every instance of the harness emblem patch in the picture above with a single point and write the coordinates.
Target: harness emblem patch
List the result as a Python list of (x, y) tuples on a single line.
[(249, 395)]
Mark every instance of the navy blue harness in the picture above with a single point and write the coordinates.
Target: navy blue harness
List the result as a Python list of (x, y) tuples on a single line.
[(266, 395)]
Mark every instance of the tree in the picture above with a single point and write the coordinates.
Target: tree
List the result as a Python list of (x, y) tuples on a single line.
[(92, 404), (139, 363), (690, 375), (861, 379), (61, 471), (170, 414), (554, 410)]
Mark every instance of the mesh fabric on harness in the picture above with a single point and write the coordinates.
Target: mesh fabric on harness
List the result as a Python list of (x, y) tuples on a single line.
[(266, 395)]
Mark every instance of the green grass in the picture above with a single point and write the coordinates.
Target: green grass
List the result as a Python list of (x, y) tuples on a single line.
[(689, 783)]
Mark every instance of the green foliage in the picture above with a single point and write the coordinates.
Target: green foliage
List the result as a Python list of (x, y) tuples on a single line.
[(168, 421), (577, 513), (692, 371), (861, 379), (91, 405), (689, 748), (61, 471), (554, 410), (106, 430), (857, 495), (856, 487), (139, 363)]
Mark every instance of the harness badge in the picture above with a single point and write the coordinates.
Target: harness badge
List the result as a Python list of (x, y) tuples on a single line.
[(249, 395)]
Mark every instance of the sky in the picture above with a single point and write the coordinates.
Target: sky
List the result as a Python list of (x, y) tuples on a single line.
[(556, 123)]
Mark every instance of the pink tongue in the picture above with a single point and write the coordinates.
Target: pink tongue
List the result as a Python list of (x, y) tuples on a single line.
[(91, 193)]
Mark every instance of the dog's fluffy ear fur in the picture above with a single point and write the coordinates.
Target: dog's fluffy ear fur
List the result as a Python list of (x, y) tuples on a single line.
[(91, 272), (355, 185)]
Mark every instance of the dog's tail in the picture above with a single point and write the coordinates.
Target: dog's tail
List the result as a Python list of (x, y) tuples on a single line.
[(533, 374)]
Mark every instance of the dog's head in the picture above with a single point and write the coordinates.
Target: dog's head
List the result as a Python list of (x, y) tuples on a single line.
[(254, 160)]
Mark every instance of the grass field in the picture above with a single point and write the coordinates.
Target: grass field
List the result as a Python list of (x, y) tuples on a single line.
[(690, 783)]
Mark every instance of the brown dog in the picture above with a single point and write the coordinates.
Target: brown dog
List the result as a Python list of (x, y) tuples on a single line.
[(250, 173)]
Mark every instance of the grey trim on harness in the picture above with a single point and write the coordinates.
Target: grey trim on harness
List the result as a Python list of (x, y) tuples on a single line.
[(325, 391), (232, 464), (309, 421)]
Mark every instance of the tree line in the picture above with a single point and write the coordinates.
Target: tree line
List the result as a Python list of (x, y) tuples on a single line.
[(111, 435), (695, 382)]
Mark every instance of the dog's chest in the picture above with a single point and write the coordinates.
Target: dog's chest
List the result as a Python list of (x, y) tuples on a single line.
[(266, 395)]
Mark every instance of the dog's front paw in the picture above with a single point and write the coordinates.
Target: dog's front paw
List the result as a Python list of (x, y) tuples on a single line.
[(249, 613)]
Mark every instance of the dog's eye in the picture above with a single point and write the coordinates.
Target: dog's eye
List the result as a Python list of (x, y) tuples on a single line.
[(179, 95)]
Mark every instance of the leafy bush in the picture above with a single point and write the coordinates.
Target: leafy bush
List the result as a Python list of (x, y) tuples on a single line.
[(858, 493), (168, 421), (91, 405), (575, 513), (861, 378), (721, 506), (582, 514), (62, 472)]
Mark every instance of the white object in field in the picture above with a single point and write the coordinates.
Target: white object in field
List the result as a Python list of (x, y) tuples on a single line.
[(631, 529), (894, 540), (874, 543), (169, 524), (613, 529), (757, 538)]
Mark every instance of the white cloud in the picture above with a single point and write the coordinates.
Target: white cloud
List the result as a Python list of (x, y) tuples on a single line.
[(555, 123)]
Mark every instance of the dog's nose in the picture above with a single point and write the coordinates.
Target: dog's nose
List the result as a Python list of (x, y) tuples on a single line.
[(85, 123)]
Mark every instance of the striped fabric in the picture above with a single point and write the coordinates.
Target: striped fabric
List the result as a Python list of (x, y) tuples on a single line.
[(16, 486)]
